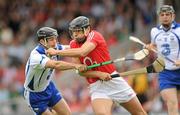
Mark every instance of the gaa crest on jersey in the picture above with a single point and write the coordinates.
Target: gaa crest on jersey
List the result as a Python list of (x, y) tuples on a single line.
[(166, 49)]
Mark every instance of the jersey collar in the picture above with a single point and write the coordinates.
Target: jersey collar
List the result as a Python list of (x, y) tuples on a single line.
[(173, 26), (40, 49)]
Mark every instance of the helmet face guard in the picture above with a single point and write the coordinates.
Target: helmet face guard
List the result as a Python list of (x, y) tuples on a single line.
[(73, 31), (78, 34), (166, 8)]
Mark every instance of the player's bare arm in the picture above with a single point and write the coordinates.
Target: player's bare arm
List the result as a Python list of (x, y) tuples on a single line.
[(151, 46), (177, 63), (61, 65), (75, 52), (97, 74), (93, 74)]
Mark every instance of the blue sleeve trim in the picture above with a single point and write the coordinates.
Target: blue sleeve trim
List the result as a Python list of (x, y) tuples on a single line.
[(42, 59), (178, 42), (59, 47), (175, 25), (40, 49), (28, 67), (31, 83), (41, 77)]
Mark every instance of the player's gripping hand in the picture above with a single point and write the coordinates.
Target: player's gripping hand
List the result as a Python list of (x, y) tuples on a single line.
[(150, 46), (105, 76), (81, 67), (51, 51), (177, 63)]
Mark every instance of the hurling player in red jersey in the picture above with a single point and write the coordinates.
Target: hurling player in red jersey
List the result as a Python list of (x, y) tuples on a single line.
[(89, 47)]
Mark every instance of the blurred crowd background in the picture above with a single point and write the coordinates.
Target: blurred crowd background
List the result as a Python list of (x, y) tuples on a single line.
[(115, 19)]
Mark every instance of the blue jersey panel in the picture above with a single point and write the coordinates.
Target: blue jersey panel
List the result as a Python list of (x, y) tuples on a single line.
[(169, 79), (40, 101), (59, 47)]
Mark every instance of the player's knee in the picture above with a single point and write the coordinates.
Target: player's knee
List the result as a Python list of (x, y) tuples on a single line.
[(64, 113), (172, 104)]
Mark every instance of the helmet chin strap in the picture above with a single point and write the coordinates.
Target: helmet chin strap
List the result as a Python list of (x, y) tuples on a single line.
[(45, 44)]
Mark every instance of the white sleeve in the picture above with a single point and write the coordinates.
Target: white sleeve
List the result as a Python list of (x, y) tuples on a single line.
[(38, 60), (153, 33)]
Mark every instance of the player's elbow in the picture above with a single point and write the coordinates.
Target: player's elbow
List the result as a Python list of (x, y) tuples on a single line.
[(51, 64), (83, 53), (59, 65)]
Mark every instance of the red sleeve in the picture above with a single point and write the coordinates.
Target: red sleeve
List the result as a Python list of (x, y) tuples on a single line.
[(93, 38), (72, 44)]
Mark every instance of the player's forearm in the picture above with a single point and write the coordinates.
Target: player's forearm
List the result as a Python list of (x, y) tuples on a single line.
[(61, 65), (76, 52), (151, 46), (91, 74), (177, 63)]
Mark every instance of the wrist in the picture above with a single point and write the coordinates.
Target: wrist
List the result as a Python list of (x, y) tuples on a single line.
[(58, 52), (78, 72), (74, 66)]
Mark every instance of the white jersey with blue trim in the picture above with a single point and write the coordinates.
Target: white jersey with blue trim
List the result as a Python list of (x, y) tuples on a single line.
[(37, 76), (168, 43)]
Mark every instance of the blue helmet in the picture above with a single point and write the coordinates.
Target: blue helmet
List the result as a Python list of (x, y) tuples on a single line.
[(46, 32)]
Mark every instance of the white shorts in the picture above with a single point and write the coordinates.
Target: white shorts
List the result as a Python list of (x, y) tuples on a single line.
[(116, 89)]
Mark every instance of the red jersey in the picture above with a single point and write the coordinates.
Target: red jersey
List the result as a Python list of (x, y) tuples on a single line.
[(98, 55)]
